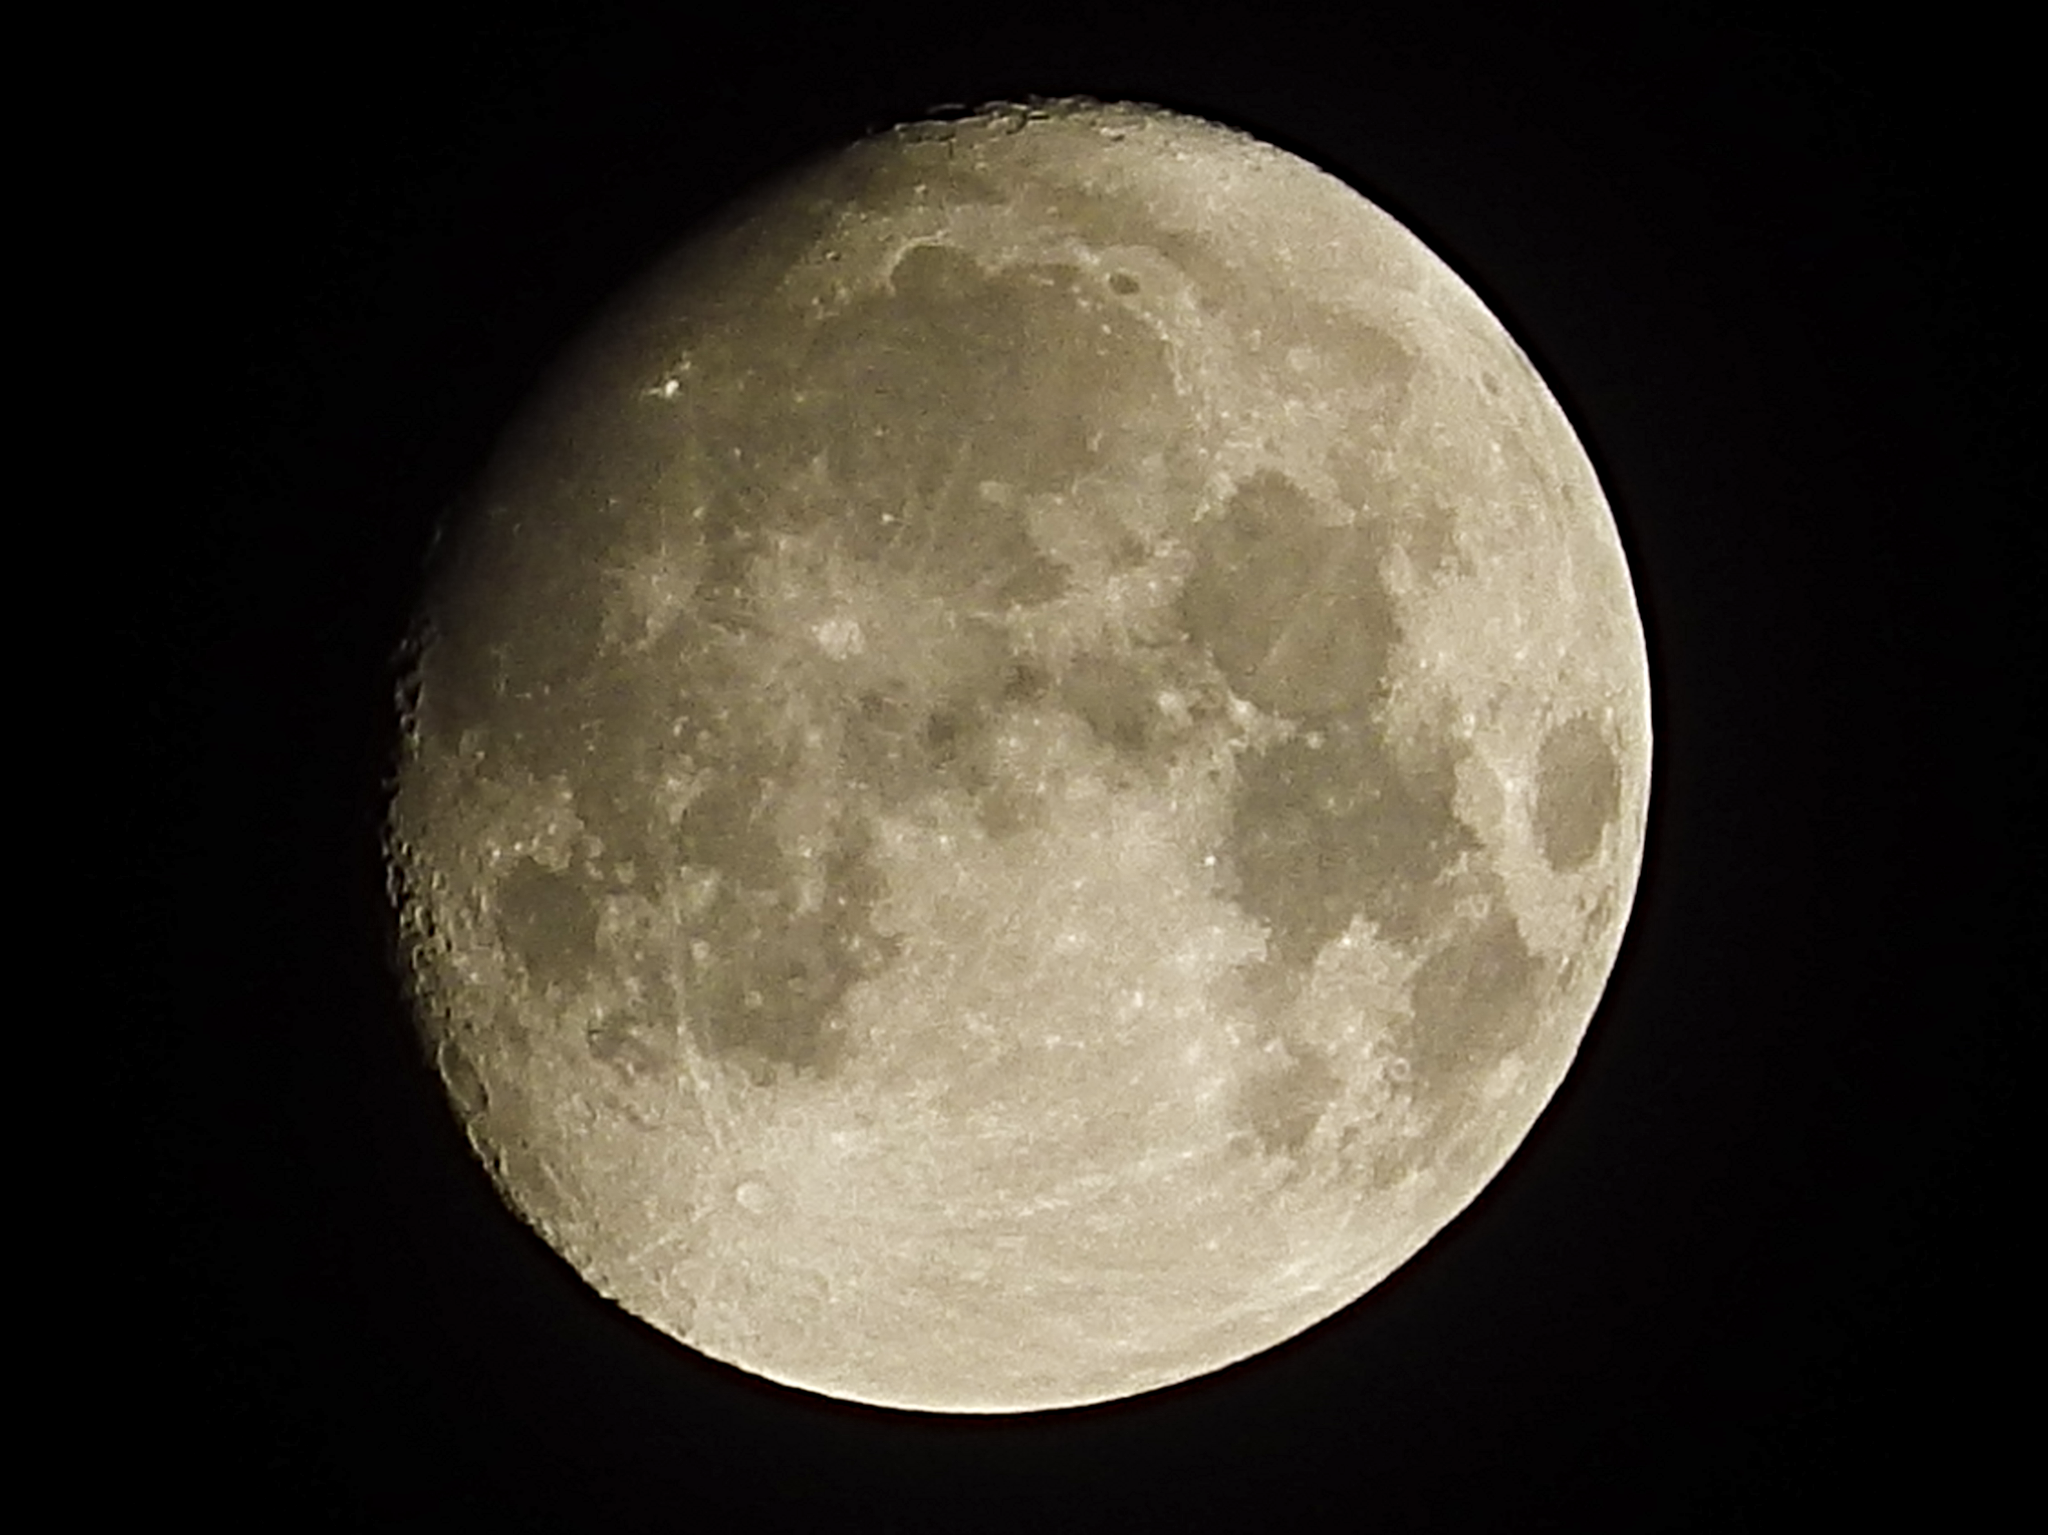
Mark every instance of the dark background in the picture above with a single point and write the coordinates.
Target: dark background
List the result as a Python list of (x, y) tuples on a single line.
[(1756, 1263)]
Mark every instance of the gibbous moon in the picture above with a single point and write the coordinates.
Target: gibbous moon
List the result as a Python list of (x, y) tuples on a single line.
[(1027, 772)]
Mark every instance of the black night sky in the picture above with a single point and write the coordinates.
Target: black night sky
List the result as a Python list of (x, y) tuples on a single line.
[(1755, 1258)]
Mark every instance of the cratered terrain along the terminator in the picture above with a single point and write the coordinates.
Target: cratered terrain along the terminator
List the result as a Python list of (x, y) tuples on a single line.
[(1026, 773)]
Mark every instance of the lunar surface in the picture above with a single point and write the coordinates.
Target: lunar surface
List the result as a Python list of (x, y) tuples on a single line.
[(1026, 773)]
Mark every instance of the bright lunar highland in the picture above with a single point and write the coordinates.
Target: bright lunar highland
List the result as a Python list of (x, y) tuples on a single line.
[(1027, 771)]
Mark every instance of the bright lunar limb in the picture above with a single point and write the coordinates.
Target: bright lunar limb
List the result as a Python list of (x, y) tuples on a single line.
[(1027, 774)]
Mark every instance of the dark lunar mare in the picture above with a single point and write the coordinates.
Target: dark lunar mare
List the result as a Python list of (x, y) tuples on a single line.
[(1578, 792), (1476, 1000), (1329, 824)]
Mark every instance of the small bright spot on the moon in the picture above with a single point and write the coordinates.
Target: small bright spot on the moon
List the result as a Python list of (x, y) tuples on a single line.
[(1502, 1079), (840, 637)]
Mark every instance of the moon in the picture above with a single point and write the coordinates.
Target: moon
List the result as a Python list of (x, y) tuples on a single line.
[(1026, 772)]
